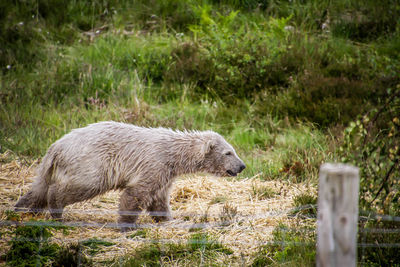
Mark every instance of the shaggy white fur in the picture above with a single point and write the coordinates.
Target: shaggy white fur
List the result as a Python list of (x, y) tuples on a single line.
[(143, 161)]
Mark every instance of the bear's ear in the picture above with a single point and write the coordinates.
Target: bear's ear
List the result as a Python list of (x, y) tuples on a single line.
[(208, 146)]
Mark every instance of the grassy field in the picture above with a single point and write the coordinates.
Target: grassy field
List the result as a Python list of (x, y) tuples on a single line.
[(291, 84)]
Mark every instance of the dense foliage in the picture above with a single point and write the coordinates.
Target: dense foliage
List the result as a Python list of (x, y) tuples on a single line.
[(373, 143)]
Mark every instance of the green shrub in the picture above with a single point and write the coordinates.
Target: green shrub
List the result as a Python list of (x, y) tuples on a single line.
[(243, 59), (189, 65), (330, 81), (372, 143), (28, 25)]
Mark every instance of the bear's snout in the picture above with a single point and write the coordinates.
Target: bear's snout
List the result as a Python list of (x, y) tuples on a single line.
[(237, 170), (242, 167)]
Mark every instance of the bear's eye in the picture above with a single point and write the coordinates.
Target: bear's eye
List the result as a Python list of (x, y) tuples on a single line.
[(228, 153)]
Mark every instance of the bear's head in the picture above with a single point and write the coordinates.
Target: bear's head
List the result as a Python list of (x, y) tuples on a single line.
[(220, 157)]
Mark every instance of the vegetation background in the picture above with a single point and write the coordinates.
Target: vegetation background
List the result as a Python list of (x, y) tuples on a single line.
[(291, 84)]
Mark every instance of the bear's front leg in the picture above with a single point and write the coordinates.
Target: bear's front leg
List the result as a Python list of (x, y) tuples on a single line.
[(159, 208), (133, 201)]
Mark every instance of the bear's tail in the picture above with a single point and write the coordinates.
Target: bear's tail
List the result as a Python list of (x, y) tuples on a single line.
[(36, 199)]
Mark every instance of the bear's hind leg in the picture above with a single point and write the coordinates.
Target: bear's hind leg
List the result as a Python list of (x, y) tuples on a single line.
[(54, 204)]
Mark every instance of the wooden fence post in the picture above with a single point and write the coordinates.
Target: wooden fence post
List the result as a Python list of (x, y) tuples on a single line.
[(337, 215)]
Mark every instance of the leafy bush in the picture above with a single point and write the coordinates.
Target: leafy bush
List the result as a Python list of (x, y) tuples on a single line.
[(189, 65), (330, 81), (372, 143), (244, 59)]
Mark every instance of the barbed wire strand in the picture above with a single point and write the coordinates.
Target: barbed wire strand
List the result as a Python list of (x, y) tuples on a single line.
[(188, 225), (364, 215), (134, 226), (264, 215)]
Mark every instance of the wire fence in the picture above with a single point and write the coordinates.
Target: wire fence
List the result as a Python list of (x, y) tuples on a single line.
[(182, 221), (280, 238), (220, 222)]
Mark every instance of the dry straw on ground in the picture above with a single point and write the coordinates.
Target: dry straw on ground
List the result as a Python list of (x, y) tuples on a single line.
[(234, 212)]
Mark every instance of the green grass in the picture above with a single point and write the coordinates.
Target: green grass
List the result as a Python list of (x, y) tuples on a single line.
[(199, 249), (289, 247), (305, 204), (139, 233), (95, 245), (262, 192)]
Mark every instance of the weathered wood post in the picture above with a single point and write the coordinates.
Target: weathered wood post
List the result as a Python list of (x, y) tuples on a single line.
[(337, 215)]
